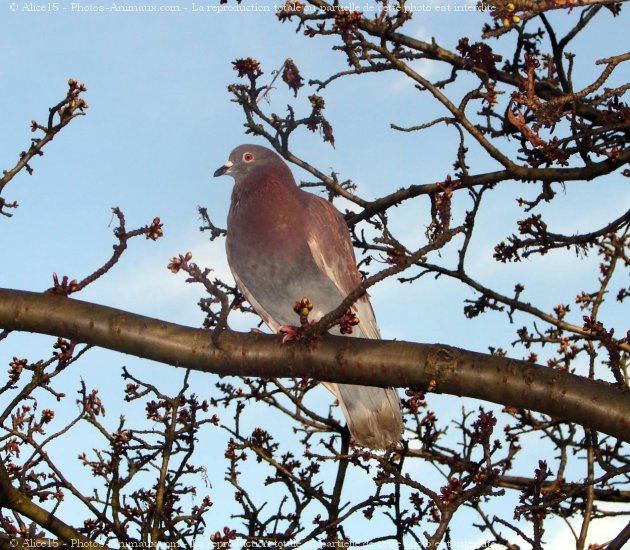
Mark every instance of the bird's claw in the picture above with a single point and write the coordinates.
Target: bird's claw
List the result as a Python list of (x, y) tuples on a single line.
[(291, 333), (304, 332)]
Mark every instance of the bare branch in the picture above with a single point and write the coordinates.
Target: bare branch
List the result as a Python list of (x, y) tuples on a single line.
[(335, 359)]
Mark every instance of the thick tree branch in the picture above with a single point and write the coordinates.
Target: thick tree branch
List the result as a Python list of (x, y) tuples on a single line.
[(445, 369), (13, 499)]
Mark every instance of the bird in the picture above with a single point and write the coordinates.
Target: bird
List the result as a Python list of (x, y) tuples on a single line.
[(284, 243)]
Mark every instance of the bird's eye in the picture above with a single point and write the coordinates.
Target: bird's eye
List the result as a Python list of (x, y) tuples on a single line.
[(248, 157)]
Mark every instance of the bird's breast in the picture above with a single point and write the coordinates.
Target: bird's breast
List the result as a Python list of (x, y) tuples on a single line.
[(266, 221)]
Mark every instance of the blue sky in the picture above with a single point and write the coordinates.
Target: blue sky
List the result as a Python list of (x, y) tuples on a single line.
[(160, 121)]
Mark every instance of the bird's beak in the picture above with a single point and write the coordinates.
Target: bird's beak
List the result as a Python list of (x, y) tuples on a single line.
[(224, 169)]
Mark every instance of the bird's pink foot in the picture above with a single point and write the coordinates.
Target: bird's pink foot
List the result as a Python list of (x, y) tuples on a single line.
[(291, 333), (303, 332)]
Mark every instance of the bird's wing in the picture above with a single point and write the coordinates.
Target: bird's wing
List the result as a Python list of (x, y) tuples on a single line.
[(264, 314), (331, 248)]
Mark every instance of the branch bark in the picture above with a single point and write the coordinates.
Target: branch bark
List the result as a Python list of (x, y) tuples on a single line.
[(444, 369), (13, 499)]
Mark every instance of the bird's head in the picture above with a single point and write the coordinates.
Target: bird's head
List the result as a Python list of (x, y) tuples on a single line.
[(247, 158)]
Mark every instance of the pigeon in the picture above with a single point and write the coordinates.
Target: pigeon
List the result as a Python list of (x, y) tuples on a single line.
[(284, 244)]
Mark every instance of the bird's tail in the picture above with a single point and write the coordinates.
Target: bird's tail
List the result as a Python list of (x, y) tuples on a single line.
[(373, 414)]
